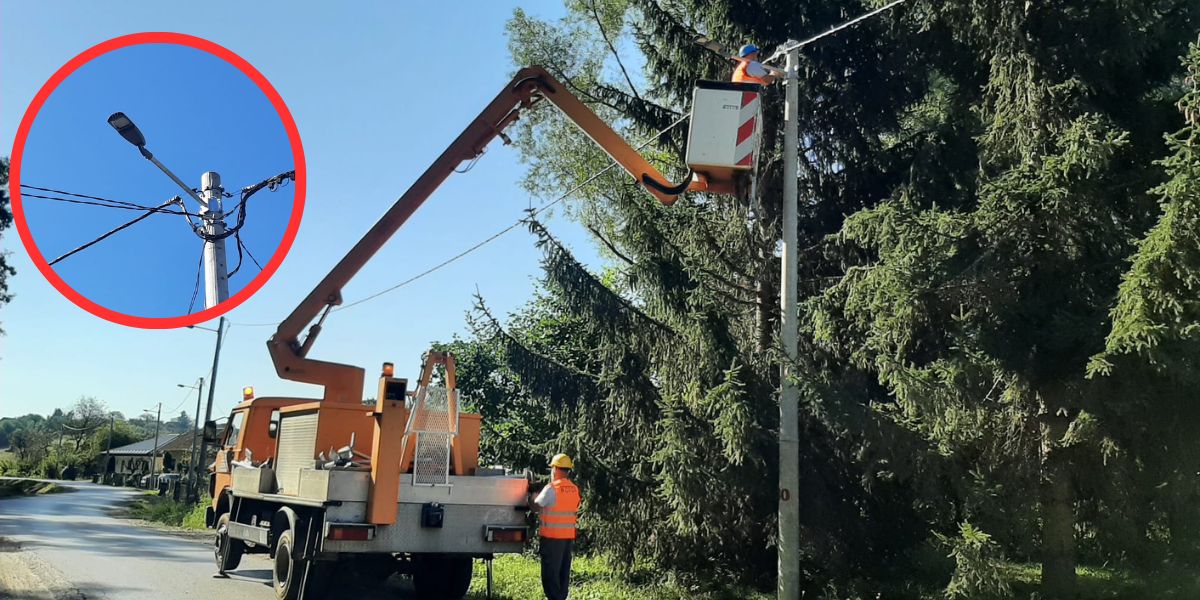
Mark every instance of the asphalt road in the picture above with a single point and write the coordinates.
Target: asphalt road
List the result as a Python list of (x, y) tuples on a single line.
[(69, 548)]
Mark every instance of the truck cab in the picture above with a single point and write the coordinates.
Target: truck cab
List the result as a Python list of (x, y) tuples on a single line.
[(252, 425)]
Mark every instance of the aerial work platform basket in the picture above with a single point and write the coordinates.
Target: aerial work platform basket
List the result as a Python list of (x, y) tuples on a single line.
[(725, 131)]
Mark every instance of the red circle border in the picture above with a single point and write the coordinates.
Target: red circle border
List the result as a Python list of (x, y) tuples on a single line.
[(157, 37)]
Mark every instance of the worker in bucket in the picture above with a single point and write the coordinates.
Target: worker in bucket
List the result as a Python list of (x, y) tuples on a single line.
[(557, 506), (750, 70)]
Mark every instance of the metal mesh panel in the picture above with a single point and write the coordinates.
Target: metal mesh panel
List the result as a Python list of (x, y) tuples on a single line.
[(431, 415), (431, 463), (435, 426)]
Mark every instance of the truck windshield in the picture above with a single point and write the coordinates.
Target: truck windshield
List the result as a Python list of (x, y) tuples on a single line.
[(235, 426)]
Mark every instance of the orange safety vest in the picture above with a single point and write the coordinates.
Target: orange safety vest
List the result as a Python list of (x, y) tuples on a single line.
[(741, 76), (558, 520)]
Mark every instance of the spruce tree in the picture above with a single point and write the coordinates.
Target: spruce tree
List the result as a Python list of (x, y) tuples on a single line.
[(972, 176), (978, 290), (1154, 344)]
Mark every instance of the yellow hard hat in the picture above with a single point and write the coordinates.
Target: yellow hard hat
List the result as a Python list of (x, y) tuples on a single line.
[(562, 461)]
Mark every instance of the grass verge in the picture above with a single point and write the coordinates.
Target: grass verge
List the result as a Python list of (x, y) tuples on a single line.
[(518, 577), (166, 511), (29, 487), (1099, 583)]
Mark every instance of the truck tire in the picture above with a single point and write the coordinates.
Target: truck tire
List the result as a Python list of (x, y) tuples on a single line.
[(442, 577), (226, 550), (288, 573), (458, 576)]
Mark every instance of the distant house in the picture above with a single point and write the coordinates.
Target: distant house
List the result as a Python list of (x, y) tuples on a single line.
[(172, 455)]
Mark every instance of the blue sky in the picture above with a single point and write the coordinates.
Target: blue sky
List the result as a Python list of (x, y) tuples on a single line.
[(198, 113), (377, 92)]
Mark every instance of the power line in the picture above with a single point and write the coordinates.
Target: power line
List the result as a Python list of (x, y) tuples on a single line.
[(186, 395), (90, 203), (89, 197), (532, 213), (113, 231)]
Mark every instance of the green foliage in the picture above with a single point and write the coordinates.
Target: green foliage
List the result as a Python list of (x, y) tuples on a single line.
[(979, 566), (8, 465), (122, 434), (6, 270), (1157, 316), (163, 510), (84, 431), (62, 462)]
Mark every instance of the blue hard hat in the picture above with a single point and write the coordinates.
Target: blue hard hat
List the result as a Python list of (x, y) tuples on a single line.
[(747, 50)]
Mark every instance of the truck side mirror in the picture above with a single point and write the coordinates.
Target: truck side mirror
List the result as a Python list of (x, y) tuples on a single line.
[(210, 432)]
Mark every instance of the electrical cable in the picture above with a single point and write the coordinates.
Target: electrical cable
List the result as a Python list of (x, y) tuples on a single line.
[(152, 211), (532, 213), (196, 287), (238, 239), (272, 183), (89, 203), (130, 205), (248, 252)]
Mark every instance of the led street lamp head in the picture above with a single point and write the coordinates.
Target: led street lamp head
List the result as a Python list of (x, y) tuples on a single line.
[(127, 129)]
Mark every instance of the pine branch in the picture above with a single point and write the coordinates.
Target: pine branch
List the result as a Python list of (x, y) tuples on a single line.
[(611, 48), (543, 376), (608, 244), (584, 294)]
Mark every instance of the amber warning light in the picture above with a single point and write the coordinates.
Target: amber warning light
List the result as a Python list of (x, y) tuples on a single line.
[(388, 369), (248, 393)]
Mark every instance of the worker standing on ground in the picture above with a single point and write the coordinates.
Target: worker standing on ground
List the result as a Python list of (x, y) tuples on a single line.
[(749, 70), (557, 506)]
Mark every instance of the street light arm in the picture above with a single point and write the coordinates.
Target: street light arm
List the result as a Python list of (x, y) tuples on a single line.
[(150, 157), (783, 50), (129, 130)]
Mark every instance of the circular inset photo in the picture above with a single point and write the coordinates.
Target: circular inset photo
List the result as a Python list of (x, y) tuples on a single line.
[(157, 180)]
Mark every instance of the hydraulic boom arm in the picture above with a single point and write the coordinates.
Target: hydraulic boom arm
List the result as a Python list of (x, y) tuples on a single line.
[(344, 383)]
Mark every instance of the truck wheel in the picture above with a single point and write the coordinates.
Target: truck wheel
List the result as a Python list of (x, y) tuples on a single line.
[(442, 577), (458, 576), (288, 574), (226, 550)]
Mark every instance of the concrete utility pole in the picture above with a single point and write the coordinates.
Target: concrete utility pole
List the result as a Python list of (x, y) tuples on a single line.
[(212, 386), (216, 270), (216, 274), (112, 427), (195, 462), (789, 395), (154, 450)]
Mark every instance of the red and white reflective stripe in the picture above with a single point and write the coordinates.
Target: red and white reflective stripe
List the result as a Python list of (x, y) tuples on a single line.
[(747, 126)]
